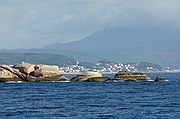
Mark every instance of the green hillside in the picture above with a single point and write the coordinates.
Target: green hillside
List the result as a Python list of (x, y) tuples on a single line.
[(35, 58)]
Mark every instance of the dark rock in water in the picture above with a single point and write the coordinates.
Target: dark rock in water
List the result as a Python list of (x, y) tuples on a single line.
[(59, 78), (158, 78), (48, 79), (131, 76), (97, 79), (85, 76), (10, 80)]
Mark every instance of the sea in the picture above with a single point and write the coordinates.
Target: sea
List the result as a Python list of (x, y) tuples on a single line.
[(90, 100)]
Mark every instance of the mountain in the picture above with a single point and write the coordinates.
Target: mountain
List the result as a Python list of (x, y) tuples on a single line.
[(152, 44), (35, 58), (159, 45)]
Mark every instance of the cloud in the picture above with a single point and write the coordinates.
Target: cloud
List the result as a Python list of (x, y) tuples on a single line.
[(35, 23)]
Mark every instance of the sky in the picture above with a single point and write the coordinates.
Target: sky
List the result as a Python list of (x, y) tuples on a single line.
[(37, 23)]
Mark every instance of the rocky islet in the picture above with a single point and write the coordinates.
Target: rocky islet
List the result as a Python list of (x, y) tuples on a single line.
[(27, 72), (30, 73)]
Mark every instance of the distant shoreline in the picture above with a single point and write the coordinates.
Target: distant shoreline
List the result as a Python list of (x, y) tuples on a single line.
[(77, 73), (82, 72)]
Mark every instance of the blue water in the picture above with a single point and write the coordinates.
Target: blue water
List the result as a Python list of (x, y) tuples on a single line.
[(110, 100)]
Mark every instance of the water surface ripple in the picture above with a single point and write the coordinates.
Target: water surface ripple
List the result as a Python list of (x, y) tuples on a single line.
[(110, 100)]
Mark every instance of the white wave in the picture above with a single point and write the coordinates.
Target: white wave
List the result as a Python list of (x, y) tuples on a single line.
[(150, 80), (15, 82), (61, 81)]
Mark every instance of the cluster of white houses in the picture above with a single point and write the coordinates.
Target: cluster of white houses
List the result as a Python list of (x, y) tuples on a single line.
[(106, 68)]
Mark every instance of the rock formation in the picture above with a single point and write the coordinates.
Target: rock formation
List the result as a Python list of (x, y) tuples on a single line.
[(131, 76), (85, 76), (30, 73), (98, 79), (58, 78), (45, 71), (25, 67), (7, 74), (36, 73)]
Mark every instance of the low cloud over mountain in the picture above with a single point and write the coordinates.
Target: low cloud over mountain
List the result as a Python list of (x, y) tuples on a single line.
[(36, 23), (126, 44)]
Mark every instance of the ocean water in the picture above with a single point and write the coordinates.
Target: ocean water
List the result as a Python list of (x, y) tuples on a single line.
[(108, 100)]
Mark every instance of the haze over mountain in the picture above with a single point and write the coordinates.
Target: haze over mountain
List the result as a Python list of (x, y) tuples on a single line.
[(36, 23), (117, 30), (127, 44)]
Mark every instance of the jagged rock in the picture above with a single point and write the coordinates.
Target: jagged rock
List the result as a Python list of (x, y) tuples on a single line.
[(7, 75), (12, 74), (131, 76), (85, 76), (20, 75), (97, 79), (158, 78), (25, 67), (7, 68)]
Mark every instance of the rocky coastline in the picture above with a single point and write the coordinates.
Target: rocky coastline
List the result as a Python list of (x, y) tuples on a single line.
[(26, 72)]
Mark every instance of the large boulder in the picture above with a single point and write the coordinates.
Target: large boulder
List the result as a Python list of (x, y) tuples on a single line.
[(85, 76), (131, 76), (98, 79), (25, 67), (48, 68), (45, 71)]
